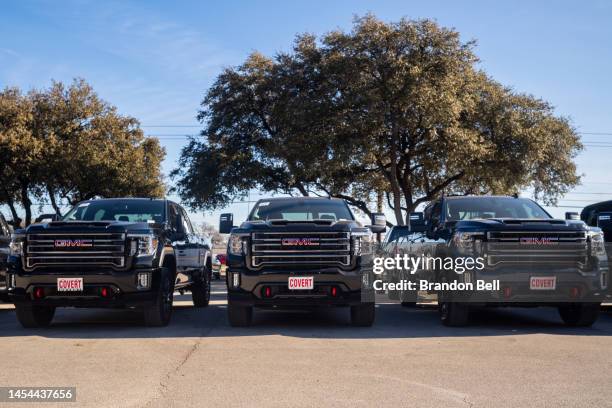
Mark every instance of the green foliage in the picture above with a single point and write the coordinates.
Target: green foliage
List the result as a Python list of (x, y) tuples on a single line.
[(400, 108), (65, 144)]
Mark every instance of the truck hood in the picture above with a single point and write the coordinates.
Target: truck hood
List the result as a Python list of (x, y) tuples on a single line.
[(510, 224), (299, 226), (89, 227)]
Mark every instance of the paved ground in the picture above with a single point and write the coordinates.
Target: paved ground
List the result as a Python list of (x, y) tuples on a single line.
[(508, 357)]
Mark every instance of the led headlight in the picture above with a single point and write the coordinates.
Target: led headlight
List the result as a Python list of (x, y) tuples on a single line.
[(143, 244), (465, 241), (598, 247), (362, 243), (236, 244), (16, 245)]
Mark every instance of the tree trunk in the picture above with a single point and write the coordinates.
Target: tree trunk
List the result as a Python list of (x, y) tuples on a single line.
[(53, 202), (26, 203)]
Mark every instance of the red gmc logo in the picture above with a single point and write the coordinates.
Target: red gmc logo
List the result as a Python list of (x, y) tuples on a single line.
[(538, 241), (300, 241), (73, 243)]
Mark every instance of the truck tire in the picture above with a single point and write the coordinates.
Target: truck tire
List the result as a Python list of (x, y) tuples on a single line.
[(363, 315), (579, 314), (159, 313), (200, 290), (239, 316), (32, 317), (454, 314)]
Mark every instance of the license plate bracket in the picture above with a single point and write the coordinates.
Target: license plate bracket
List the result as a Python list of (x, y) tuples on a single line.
[(69, 284), (300, 283), (543, 283)]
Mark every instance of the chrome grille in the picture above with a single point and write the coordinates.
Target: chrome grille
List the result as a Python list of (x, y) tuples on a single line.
[(300, 248), (537, 247), (75, 249)]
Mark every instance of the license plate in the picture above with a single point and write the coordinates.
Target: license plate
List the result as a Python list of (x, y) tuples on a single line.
[(301, 282), (543, 283), (69, 284)]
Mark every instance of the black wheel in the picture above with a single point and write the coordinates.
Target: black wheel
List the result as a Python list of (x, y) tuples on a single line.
[(160, 312), (239, 316), (454, 313), (579, 314), (363, 315), (200, 290), (409, 304), (34, 316)]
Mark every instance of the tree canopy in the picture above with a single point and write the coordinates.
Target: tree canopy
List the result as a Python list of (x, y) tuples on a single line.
[(399, 108), (64, 144)]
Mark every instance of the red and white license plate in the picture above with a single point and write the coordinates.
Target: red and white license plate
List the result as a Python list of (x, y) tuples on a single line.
[(543, 283), (301, 282), (69, 284)]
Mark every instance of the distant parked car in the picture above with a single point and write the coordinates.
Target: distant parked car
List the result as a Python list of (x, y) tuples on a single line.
[(5, 240), (219, 265)]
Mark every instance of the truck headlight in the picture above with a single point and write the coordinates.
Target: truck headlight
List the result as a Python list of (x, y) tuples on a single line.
[(16, 245), (465, 241), (362, 243), (143, 244), (236, 244), (598, 245)]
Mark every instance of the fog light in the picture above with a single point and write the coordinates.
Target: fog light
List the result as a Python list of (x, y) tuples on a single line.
[(574, 292), (507, 291), (144, 280), (39, 293), (334, 291), (104, 292), (236, 280), (267, 291)]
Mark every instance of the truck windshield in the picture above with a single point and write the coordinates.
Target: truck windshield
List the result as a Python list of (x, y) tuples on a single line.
[(300, 210), (118, 210), (493, 207)]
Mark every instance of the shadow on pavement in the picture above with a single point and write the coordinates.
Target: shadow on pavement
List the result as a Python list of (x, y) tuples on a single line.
[(392, 321)]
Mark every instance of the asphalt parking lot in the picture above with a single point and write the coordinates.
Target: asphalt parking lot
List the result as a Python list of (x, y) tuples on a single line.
[(507, 357)]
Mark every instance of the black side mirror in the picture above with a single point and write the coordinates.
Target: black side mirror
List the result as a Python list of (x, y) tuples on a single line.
[(379, 223), (180, 233), (572, 216), (417, 222), (226, 223)]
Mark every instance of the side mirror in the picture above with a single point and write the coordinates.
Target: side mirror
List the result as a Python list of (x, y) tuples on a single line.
[(572, 216), (180, 233), (379, 223), (226, 223), (417, 222)]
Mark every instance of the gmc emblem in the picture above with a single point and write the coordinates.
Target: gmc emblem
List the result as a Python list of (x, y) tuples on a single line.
[(538, 241), (73, 243), (300, 242)]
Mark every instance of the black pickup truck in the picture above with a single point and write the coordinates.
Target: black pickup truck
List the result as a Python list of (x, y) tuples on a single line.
[(125, 252), (536, 260), (5, 239), (300, 252)]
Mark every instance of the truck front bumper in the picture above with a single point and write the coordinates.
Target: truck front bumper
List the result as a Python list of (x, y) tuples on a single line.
[(331, 288), (104, 288)]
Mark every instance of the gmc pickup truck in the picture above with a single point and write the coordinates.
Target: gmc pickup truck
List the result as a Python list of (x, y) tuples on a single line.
[(536, 260), (125, 253), (5, 239), (300, 252)]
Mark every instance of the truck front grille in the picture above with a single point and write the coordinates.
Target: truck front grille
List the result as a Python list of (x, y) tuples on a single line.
[(537, 247), (300, 248), (75, 249)]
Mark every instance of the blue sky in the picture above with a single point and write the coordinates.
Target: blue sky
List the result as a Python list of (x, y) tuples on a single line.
[(154, 60)]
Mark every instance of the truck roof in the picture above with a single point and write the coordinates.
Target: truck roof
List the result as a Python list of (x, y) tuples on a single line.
[(300, 198)]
